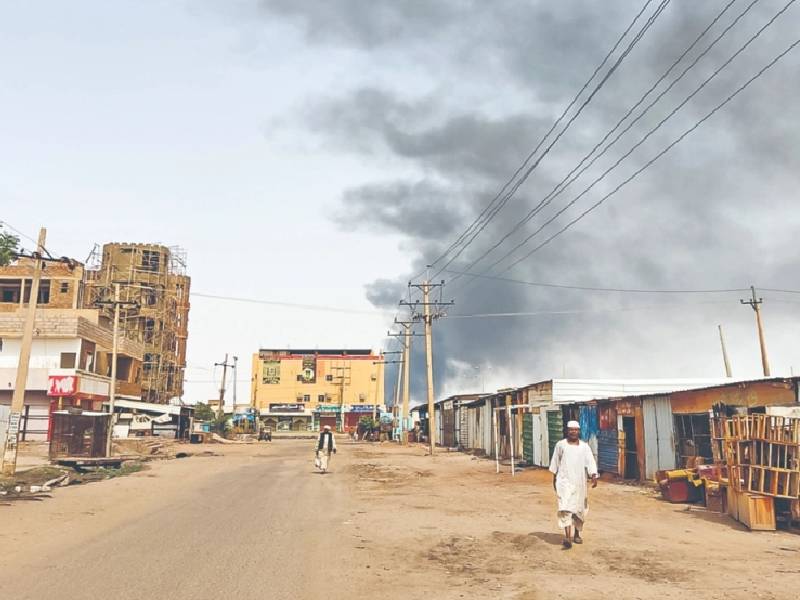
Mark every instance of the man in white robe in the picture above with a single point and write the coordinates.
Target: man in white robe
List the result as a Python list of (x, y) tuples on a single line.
[(571, 463), (326, 446)]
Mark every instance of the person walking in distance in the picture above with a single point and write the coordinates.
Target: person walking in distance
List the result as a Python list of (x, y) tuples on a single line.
[(326, 445), (571, 463)]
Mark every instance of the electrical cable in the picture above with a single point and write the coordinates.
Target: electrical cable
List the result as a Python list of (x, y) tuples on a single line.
[(650, 133), (598, 87), (314, 307), (542, 141), (607, 289), (580, 168), (659, 155)]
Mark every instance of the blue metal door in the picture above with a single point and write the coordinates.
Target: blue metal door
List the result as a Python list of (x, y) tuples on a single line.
[(608, 451)]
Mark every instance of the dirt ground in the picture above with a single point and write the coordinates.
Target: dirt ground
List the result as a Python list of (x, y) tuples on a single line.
[(388, 522)]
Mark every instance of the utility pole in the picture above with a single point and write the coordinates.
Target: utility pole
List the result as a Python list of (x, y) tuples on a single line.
[(235, 377), (112, 386), (427, 317), (396, 389), (407, 337), (225, 366), (728, 372), (405, 340), (755, 304), (9, 462)]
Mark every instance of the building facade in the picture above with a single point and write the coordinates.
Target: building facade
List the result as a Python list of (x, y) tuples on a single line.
[(154, 277), (70, 365), (304, 390)]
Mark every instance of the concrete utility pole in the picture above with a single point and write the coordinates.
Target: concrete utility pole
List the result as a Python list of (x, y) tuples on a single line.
[(755, 304), (112, 386), (427, 317), (407, 335), (225, 366), (9, 466), (235, 377), (728, 372), (396, 389)]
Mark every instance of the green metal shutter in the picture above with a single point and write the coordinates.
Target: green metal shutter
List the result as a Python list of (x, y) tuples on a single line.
[(555, 429)]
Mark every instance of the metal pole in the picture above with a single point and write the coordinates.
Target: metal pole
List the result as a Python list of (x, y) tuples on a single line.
[(9, 462), (112, 386)]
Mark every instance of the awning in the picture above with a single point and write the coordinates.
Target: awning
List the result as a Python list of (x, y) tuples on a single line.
[(163, 409)]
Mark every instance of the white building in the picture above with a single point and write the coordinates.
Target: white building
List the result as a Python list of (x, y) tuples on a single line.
[(70, 365)]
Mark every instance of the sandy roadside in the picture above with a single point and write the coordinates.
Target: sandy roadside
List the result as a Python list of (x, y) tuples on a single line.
[(403, 524)]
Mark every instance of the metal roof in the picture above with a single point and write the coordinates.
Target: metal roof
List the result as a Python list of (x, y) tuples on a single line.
[(568, 391)]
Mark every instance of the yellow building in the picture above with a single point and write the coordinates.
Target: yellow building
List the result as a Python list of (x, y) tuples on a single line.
[(304, 390)]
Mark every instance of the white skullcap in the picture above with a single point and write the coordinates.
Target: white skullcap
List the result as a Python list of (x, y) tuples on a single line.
[(573, 425)]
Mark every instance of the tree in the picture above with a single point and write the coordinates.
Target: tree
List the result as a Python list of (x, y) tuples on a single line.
[(9, 245), (203, 412)]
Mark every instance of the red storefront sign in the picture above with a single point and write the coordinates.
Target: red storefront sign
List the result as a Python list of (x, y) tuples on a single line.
[(62, 385)]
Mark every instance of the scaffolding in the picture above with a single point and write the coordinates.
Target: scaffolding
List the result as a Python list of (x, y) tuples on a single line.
[(153, 276)]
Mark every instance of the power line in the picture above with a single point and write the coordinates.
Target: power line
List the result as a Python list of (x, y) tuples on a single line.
[(316, 307), (635, 146), (489, 206), (26, 236), (604, 289), (541, 313), (660, 154), (546, 151), (560, 187)]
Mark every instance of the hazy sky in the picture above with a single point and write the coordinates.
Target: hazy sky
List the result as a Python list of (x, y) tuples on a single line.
[(323, 152)]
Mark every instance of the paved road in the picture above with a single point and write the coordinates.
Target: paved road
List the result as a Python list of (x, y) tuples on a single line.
[(248, 525)]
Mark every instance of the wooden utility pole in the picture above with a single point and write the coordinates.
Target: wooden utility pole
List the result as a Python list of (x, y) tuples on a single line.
[(426, 311), (755, 304), (225, 366), (407, 337), (112, 386), (427, 317), (9, 463), (728, 372)]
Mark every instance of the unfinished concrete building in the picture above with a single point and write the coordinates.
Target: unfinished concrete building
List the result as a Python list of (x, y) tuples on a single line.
[(153, 276)]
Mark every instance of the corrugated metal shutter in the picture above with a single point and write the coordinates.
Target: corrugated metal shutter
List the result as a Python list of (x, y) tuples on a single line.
[(608, 451), (463, 427), (659, 443), (555, 430), (448, 428), (527, 438)]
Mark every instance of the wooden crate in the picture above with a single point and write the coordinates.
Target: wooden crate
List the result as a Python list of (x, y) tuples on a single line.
[(756, 511)]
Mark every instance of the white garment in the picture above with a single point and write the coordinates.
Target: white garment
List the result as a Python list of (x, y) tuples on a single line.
[(571, 463), (324, 458)]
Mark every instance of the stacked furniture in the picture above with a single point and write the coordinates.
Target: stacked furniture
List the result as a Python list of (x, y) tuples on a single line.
[(761, 454)]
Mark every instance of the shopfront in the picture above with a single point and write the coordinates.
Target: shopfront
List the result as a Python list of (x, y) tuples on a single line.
[(287, 417), (354, 414), (328, 415)]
